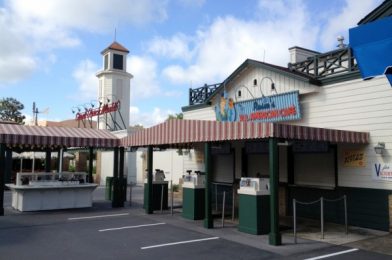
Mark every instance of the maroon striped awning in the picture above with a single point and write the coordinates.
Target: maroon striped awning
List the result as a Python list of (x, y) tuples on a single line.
[(177, 131), (12, 134)]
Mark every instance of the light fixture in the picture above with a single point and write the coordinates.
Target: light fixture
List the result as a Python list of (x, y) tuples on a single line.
[(379, 148), (239, 92), (273, 88)]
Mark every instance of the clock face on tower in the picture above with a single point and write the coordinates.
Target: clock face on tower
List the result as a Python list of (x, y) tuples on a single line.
[(117, 61)]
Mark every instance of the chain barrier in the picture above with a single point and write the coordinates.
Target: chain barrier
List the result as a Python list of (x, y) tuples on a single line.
[(321, 200)]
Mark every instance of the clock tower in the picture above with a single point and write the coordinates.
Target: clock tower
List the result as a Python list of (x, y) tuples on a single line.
[(114, 86)]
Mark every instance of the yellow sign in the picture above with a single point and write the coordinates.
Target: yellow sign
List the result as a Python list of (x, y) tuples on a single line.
[(354, 158)]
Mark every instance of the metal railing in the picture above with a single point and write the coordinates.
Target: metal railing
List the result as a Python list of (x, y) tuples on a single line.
[(326, 64), (223, 200), (321, 200), (200, 95)]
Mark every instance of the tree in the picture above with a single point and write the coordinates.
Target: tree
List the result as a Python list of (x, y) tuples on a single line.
[(175, 116), (10, 110)]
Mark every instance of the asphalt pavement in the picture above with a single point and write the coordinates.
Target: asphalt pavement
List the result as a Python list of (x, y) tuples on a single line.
[(103, 232)]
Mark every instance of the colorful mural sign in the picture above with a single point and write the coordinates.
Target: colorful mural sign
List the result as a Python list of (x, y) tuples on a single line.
[(224, 109), (382, 172), (280, 107), (354, 158)]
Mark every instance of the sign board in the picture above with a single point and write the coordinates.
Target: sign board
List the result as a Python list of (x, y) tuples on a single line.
[(354, 158), (382, 171), (107, 108), (275, 108)]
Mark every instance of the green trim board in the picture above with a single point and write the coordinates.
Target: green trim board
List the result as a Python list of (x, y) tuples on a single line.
[(193, 203), (254, 214), (367, 208)]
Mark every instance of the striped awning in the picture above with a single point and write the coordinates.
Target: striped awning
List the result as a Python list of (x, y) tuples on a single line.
[(177, 131), (12, 134)]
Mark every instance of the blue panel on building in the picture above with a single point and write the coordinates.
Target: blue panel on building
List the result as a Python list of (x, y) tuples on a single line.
[(372, 47)]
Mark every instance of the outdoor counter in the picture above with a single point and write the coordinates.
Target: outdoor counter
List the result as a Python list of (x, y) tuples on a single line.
[(49, 197), (46, 191)]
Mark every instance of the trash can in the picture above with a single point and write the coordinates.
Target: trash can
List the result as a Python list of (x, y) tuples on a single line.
[(109, 188), (119, 192)]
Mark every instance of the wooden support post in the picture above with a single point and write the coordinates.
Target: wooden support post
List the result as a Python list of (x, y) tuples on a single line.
[(208, 220), (275, 238)]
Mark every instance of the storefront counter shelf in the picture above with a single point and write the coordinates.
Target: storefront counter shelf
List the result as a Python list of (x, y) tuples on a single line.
[(50, 197)]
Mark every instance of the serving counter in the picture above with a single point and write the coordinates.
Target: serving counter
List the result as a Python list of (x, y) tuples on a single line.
[(254, 206), (49, 191), (193, 194)]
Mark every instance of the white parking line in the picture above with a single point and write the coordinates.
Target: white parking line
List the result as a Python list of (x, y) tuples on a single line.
[(181, 242), (333, 254), (100, 216), (127, 227)]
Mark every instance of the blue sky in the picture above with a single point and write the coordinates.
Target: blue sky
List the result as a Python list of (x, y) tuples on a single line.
[(50, 49)]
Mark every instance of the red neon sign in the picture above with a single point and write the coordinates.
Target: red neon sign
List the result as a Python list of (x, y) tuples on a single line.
[(89, 113), (269, 114)]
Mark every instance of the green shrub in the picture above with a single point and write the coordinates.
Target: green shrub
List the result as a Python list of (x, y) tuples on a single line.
[(176, 187)]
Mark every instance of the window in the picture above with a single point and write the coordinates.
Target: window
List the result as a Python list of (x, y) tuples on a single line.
[(117, 61), (106, 61)]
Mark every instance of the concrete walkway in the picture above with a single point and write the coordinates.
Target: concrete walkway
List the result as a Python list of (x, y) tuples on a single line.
[(308, 236)]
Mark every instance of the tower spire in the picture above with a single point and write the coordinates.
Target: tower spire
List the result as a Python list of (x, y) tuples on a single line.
[(115, 33)]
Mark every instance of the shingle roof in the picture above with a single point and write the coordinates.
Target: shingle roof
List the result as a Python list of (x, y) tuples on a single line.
[(115, 46)]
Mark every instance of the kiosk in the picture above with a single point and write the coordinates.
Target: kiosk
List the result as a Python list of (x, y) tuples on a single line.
[(159, 191), (193, 192), (254, 206), (49, 191)]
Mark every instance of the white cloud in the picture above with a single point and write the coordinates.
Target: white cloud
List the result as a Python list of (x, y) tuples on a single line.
[(31, 29), (84, 74), (16, 60), (91, 15), (177, 47), (148, 119), (228, 41), (347, 18), (145, 82)]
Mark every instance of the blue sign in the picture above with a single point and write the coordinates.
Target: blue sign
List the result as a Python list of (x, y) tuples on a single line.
[(275, 108)]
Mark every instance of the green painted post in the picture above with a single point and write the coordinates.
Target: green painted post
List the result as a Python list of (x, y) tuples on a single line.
[(2, 167), (275, 238), (8, 165), (123, 182), (47, 160), (149, 205), (115, 197), (208, 221), (90, 165)]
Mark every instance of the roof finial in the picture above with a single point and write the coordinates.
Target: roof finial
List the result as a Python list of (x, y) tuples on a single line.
[(115, 33)]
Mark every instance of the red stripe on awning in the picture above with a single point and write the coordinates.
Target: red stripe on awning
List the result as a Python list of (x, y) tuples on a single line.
[(177, 131), (51, 136)]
